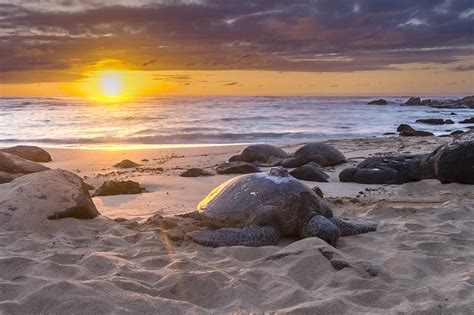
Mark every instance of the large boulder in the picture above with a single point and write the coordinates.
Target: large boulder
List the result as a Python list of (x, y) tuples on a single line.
[(414, 101), (467, 121), (310, 172), (32, 153), (237, 167), (263, 154), (29, 201), (454, 162), (389, 170), (318, 152), (13, 164), (405, 127)]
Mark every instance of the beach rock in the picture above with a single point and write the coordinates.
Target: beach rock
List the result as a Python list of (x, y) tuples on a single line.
[(31, 153), (318, 152), (115, 187), (414, 101), (380, 101), (467, 121), (389, 170), (431, 121), (237, 167), (456, 132), (263, 153), (13, 164), (126, 164), (196, 172), (416, 133), (310, 172), (7, 177), (405, 127), (448, 122), (28, 201), (454, 162)]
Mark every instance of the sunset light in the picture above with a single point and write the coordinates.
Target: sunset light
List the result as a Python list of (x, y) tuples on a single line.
[(111, 85)]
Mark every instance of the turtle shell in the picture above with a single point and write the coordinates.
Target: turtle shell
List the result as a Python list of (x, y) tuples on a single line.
[(330, 155), (259, 199)]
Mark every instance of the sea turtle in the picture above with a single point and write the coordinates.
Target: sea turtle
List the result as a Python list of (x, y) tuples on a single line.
[(321, 153), (256, 209), (261, 155)]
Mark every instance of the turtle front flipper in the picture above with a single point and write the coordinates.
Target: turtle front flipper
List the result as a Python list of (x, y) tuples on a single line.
[(249, 236), (348, 228), (320, 226)]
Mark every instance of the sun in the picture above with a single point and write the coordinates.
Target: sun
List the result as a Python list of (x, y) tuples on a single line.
[(111, 85)]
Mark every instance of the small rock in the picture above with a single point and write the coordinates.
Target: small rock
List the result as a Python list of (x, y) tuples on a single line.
[(380, 101), (237, 167), (448, 122), (126, 164), (196, 172), (114, 187)]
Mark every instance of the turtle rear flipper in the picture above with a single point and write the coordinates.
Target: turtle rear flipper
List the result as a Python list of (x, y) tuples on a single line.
[(348, 228), (249, 236), (320, 226)]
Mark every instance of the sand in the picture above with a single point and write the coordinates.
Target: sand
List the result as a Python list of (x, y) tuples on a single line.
[(420, 260)]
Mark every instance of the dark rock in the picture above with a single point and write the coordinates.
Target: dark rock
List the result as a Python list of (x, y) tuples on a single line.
[(416, 133), (196, 172), (114, 187), (389, 133), (452, 113), (126, 164), (31, 153), (456, 132), (431, 121), (263, 153), (237, 167), (467, 121), (404, 127), (347, 175), (318, 152), (414, 101), (454, 162), (51, 194), (377, 176), (310, 172), (449, 122), (318, 191), (13, 164), (380, 101)]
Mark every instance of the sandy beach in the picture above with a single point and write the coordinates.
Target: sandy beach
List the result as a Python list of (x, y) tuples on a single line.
[(420, 259)]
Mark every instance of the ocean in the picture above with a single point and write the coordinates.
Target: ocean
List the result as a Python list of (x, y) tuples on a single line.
[(72, 122)]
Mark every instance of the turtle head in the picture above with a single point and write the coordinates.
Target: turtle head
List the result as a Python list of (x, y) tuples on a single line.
[(278, 172)]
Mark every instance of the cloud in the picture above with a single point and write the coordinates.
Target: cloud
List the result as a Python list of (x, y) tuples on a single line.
[(280, 35)]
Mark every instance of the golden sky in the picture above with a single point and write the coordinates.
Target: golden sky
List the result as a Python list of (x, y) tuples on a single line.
[(112, 49)]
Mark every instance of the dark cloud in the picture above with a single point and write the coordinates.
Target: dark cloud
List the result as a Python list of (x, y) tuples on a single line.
[(282, 35), (230, 83)]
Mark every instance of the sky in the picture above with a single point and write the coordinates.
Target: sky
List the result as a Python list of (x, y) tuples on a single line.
[(222, 47)]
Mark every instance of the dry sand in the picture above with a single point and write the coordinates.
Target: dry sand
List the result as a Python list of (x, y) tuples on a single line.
[(420, 260)]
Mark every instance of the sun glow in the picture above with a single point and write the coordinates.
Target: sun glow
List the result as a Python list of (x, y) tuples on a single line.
[(111, 85)]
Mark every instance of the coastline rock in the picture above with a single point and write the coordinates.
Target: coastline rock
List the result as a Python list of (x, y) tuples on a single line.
[(380, 101), (405, 127), (467, 121), (431, 121), (27, 202), (456, 132), (310, 172), (115, 187), (126, 164), (31, 153), (416, 133), (237, 167), (454, 162), (448, 122), (318, 152), (13, 164), (196, 172), (262, 154), (414, 101)]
